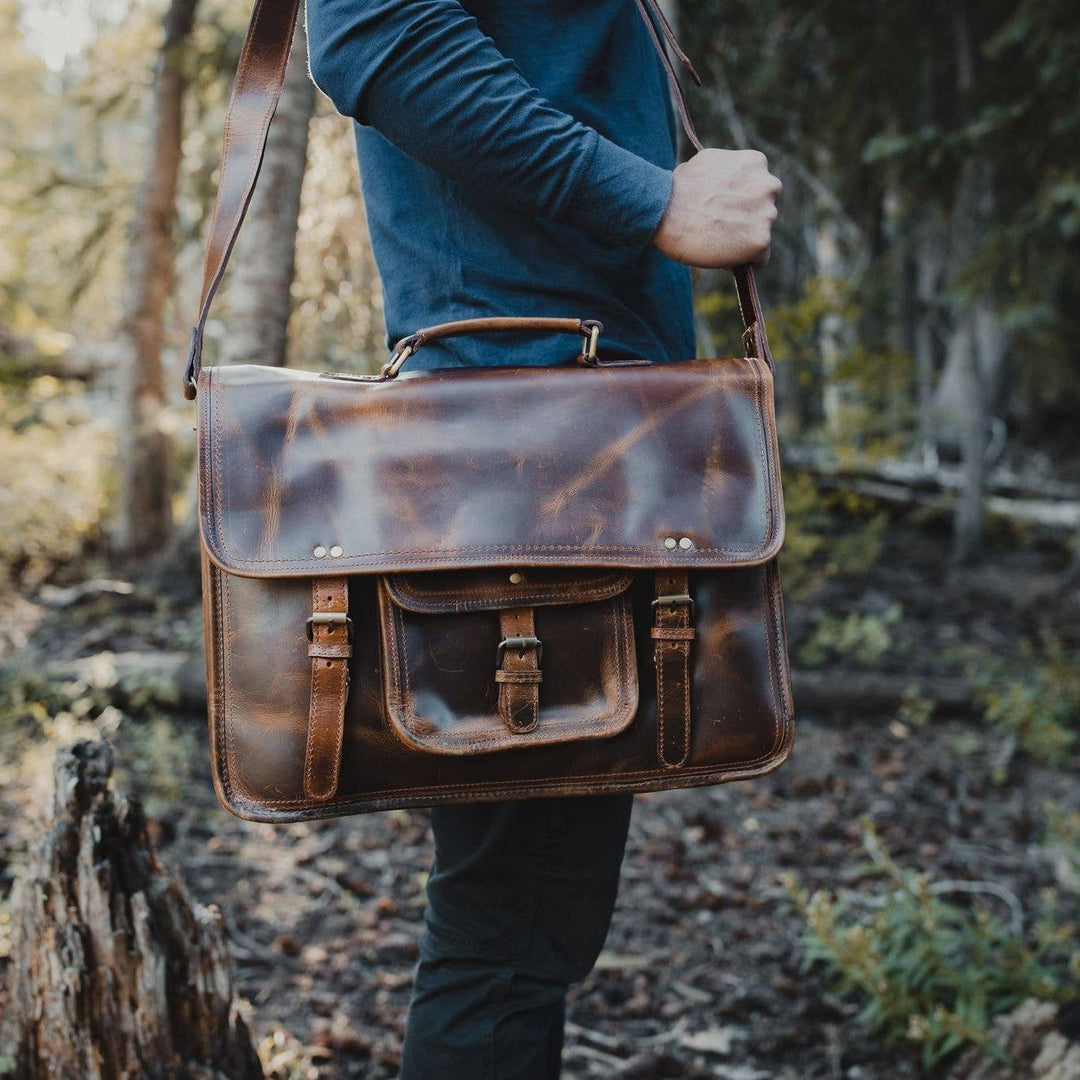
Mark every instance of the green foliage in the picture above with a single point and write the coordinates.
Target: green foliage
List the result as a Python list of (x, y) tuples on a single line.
[(55, 453), (828, 534), (929, 972), (864, 638), (1037, 699)]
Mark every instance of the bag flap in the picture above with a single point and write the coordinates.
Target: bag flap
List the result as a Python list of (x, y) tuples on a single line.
[(456, 591), (637, 467)]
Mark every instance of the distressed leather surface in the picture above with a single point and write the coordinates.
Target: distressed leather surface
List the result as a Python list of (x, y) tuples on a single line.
[(258, 679), (441, 695), (489, 467), (452, 499)]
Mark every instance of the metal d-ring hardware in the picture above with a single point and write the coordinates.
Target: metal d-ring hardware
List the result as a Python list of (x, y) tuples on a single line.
[(328, 618), (521, 643), (590, 331), (397, 361)]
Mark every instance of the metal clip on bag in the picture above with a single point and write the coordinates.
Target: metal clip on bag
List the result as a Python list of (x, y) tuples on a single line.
[(404, 608)]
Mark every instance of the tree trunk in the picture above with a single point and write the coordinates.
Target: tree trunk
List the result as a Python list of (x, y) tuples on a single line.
[(930, 258), (834, 333), (115, 973), (976, 349), (265, 255), (963, 358), (145, 500)]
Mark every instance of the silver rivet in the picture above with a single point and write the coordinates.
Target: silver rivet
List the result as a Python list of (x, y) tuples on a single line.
[(669, 542), (337, 551), (516, 578), (319, 552), (685, 543)]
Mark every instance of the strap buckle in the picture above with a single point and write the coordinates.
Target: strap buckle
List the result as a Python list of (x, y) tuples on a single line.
[(675, 600), (521, 643), (328, 618)]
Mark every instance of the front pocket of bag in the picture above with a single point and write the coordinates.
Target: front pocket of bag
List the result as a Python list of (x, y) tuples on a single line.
[(440, 645)]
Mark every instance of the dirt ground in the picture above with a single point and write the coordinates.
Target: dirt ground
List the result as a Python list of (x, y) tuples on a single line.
[(702, 973)]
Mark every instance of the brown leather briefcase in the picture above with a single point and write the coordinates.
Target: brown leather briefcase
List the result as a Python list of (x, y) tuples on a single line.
[(481, 584)]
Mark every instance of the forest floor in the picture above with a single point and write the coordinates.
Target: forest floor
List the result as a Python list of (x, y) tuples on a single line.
[(703, 973)]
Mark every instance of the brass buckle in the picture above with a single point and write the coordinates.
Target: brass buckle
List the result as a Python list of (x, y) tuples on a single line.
[(328, 618), (521, 643), (675, 600)]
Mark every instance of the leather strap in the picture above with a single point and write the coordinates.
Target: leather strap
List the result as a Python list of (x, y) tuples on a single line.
[(673, 634), (518, 673), (260, 76), (330, 650)]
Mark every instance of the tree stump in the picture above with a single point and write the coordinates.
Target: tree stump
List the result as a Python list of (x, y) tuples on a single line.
[(116, 975)]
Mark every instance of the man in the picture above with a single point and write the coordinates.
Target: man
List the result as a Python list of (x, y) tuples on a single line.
[(517, 158)]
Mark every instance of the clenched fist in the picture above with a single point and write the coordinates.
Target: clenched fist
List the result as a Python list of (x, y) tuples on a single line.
[(721, 211)]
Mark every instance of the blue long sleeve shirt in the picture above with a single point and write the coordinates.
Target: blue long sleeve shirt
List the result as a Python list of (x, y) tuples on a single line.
[(515, 159)]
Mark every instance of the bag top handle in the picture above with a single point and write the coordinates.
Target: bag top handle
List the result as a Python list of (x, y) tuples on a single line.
[(260, 75)]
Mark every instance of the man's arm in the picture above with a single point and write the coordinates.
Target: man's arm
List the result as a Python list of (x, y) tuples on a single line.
[(422, 73)]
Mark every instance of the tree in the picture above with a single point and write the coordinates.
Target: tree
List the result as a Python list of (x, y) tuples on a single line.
[(144, 520), (265, 256)]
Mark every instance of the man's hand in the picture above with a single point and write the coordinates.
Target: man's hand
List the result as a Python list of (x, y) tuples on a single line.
[(721, 210)]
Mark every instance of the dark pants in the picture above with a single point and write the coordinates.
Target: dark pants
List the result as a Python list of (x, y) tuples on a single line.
[(519, 902)]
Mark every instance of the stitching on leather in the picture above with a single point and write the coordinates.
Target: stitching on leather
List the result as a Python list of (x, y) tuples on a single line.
[(419, 599), (339, 728), (407, 589), (781, 714), (316, 691), (659, 709), (459, 791), (684, 659)]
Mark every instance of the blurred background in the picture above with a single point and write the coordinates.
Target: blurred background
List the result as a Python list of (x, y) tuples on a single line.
[(901, 900)]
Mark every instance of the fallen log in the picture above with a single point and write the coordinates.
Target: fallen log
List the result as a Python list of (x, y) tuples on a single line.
[(178, 680), (932, 476), (878, 693), (115, 973), (1049, 504)]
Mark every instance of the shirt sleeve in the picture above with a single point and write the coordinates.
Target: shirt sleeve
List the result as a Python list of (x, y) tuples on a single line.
[(423, 74)]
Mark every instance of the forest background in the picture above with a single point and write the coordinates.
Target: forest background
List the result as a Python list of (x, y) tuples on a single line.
[(903, 899)]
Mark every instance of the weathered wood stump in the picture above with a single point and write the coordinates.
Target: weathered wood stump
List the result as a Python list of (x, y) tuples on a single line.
[(116, 975)]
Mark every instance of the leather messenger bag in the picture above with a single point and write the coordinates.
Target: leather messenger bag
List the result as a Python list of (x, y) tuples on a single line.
[(481, 583)]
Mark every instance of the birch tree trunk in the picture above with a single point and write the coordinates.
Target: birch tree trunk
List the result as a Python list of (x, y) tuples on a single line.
[(930, 255), (264, 260), (145, 499), (976, 348), (834, 332)]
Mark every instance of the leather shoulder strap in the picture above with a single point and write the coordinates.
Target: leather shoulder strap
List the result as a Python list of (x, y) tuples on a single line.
[(256, 89)]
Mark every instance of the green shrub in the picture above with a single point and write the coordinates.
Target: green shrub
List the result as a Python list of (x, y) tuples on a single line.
[(54, 454), (829, 534), (1037, 700), (865, 638), (929, 972)]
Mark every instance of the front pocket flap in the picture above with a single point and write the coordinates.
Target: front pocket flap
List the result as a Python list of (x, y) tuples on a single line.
[(441, 675), (458, 591)]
